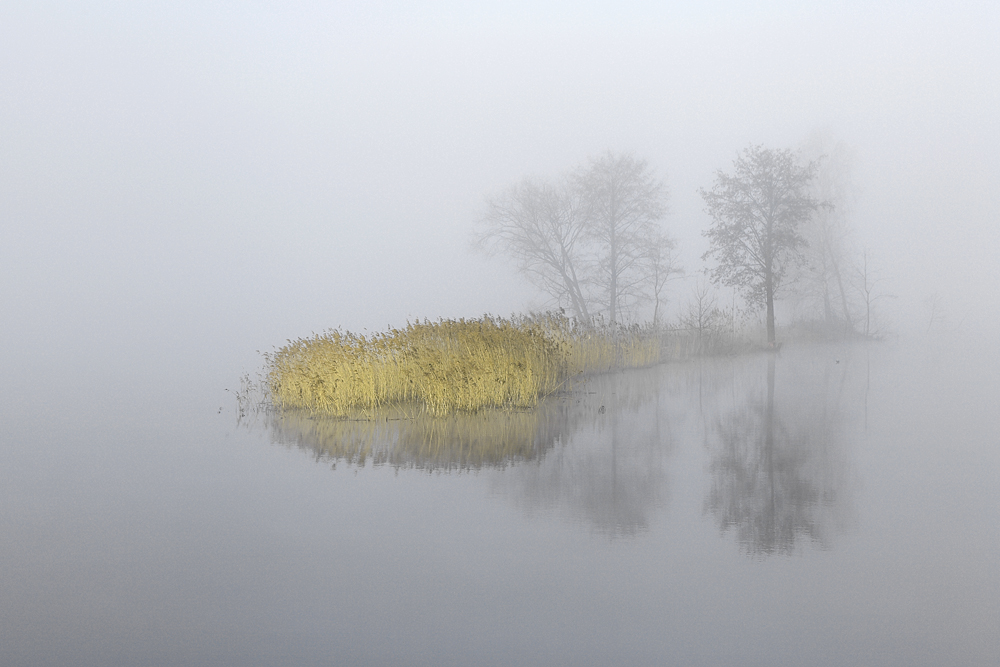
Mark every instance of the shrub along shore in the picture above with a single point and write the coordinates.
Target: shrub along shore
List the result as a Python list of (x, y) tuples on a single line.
[(449, 366)]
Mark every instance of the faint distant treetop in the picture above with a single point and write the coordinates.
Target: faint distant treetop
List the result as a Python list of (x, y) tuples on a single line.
[(823, 280)]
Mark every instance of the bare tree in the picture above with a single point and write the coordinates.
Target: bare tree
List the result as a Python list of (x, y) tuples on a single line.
[(660, 267), (825, 273), (624, 203), (703, 316), (867, 283), (756, 214), (542, 228), (593, 241)]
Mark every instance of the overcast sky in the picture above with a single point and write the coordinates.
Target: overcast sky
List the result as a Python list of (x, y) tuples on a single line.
[(205, 179)]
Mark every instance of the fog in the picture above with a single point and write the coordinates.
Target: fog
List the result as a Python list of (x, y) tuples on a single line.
[(199, 181), (186, 184)]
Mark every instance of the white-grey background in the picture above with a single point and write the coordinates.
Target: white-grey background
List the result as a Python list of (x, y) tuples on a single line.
[(193, 181), (184, 183)]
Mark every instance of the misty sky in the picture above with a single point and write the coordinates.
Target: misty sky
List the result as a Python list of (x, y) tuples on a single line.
[(205, 179)]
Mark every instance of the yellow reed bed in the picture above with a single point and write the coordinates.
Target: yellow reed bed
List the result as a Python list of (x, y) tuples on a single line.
[(447, 366), (602, 348)]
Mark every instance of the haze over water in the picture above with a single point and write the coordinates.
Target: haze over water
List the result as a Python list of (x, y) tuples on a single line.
[(843, 512), (184, 184)]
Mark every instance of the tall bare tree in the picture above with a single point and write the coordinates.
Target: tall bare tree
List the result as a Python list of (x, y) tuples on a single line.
[(756, 214), (624, 203), (542, 227), (593, 241), (825, 273)]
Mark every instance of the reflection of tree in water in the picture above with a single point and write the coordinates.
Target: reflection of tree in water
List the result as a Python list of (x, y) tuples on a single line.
[(608, 472), (595, 453), (778, 471)]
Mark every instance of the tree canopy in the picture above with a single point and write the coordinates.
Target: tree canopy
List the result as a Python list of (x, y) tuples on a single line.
[(756, 214)]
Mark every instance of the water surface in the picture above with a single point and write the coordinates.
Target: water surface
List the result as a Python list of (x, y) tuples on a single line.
[(830, 505)]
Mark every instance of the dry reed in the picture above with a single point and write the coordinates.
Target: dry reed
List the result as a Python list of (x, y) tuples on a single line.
[(449, 365)]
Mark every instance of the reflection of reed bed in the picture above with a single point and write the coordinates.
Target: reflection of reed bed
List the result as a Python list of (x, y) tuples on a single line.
[(449, 366), (403, 436), (459, 441)]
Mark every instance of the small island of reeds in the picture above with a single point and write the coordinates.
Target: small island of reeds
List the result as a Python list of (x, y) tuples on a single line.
[(449, 366)]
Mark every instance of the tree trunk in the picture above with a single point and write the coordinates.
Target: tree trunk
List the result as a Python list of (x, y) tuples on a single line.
[(580, 306), (613, 305), (572, 285), (769, 297), (613, 258), (848, 322), (579, 310), (613, 284), (824, 276)]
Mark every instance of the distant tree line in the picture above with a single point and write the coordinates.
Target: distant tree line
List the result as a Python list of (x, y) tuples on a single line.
[(593, 239)]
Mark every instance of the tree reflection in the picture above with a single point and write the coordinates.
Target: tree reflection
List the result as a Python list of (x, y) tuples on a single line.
[(778, 474), (594, 453), (606, 472), (774, 429)]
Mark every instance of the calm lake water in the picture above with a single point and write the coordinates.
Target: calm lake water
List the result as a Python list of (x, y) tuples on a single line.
[(830, 505)]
